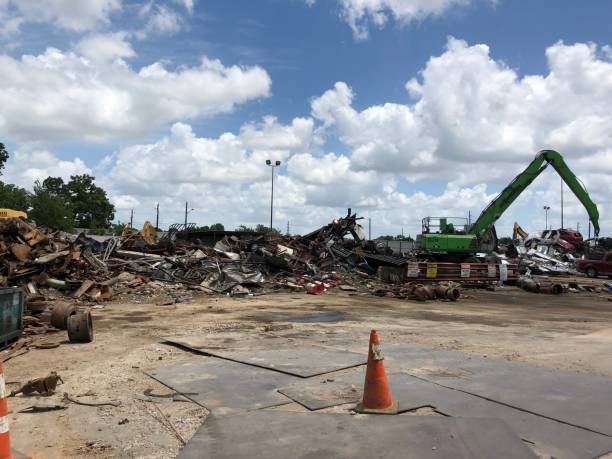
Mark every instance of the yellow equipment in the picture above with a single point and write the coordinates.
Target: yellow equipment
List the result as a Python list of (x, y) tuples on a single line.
[(10, 213)]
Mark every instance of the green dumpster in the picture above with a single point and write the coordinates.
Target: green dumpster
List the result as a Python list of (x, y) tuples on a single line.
[(11, 314)]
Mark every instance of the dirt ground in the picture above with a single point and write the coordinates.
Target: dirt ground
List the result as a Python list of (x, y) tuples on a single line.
[(571, 332)]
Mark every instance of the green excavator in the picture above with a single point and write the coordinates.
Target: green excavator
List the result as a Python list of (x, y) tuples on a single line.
[(442, 241)]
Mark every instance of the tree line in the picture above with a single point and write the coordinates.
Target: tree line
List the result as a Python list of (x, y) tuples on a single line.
[(399, 237)]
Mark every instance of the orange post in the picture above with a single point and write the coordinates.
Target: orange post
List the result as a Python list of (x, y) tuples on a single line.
[(5, 443), (376, 394)]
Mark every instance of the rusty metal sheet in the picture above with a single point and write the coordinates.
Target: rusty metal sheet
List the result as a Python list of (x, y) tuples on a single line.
[(276, 435), (222, 386), (551, 438), (319, 393), (298, 360), (578, 399), (284, 356)]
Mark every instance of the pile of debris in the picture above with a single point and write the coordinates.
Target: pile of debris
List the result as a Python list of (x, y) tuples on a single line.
[(140, 265), (554, 252), (139, 262), (543, 260)]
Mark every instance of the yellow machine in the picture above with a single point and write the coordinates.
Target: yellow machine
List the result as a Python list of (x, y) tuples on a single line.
[(10, 213)]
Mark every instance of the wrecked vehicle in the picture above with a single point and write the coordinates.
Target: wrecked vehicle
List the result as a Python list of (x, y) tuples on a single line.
[(562, 240), (594, 267)]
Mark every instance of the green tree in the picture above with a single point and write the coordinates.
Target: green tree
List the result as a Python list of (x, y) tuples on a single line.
[(264, 229), (202, 228), (504, 240), (14, 197), (49, 210), (4, 156), (54, 185), (217, 227), (87, 202), (245, 228), (11, 196), (401, 237)]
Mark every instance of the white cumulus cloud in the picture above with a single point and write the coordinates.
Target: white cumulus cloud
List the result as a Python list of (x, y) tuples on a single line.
[(188, 4), (75, 15), (92, 94), (226, 179), (474, 120), (160, 19), (360, 15), (27, 166), (105, 48)]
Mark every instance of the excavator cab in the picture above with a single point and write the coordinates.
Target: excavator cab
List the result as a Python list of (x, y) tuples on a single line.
[(444, 225)]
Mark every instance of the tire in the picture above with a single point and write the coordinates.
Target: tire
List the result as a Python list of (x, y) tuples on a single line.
[(80, 327), (60, 314), (591, 272)]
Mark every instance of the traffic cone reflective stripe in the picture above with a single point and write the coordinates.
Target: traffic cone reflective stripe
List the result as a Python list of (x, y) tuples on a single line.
[(5, 444), (376, 394)]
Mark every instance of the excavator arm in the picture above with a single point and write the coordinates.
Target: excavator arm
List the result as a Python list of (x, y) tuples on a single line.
[(518, 231), (498, 206)]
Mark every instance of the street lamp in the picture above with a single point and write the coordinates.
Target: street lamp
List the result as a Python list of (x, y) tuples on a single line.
[(272, 165), (546, 209)]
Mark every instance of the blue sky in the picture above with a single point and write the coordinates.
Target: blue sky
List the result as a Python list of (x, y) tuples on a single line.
[(304, 49)]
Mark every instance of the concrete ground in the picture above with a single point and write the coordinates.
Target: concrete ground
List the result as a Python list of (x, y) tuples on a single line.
[(571, 332)]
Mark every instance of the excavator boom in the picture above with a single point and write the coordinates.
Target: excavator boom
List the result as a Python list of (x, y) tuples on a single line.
[(498, 206)]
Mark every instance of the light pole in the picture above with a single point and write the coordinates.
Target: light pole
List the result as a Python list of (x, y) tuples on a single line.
[(272, 165), (546, 209)]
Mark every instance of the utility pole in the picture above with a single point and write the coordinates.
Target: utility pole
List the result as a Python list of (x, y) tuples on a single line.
[(157, 216), (187, 210), (369, 229), (546, 209), (276, 164), (288, 228), (561, 203), (132, 218), (578, 227)]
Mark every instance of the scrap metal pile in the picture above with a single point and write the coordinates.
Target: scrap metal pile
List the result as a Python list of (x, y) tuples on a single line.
[(555, 252), (52, 265)]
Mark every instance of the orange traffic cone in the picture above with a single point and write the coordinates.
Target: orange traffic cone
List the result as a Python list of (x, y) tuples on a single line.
[(376, 394), (5, 443)]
